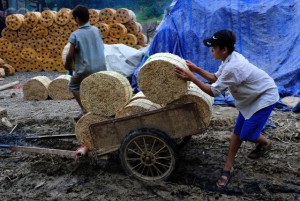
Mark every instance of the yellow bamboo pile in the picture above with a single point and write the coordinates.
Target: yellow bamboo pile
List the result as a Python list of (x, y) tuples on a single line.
[(102, 94), (35, 41)]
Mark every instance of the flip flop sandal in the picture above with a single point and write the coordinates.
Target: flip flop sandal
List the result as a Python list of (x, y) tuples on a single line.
[(259, 150), (222, 180)]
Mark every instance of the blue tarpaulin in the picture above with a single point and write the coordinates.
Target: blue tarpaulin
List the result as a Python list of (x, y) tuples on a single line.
[(267, 31)]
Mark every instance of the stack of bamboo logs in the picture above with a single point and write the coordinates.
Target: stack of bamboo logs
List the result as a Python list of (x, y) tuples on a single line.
[(159, 83), (41, 87), (102, 94), (34, 41), (6, 69)]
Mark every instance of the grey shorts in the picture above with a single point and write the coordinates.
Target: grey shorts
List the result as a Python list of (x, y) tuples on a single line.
[(74, 84)]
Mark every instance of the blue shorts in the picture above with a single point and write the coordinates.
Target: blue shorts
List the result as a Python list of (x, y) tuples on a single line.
[(250, 129)]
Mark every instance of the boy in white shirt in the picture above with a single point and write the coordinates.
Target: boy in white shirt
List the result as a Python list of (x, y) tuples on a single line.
[(254, 91)]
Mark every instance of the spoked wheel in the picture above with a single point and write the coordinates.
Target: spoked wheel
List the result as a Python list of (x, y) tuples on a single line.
[(148, 154)]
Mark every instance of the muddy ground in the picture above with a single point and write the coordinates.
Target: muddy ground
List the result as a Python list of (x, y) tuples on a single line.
[(23, 176)]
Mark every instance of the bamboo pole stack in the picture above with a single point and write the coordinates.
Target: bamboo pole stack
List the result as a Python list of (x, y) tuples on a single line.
[(34, 41), (102, 94)]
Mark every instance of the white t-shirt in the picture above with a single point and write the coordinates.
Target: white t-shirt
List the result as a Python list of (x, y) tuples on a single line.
[(252, 88)]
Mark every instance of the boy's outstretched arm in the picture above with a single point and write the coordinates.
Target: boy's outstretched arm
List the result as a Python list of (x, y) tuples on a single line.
[(203, 73), (189, 76)]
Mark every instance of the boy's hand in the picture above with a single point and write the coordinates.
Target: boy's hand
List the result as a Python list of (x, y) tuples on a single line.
[(184, 74), (191, 66)]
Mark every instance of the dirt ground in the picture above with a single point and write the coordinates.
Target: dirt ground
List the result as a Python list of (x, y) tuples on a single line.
[(275, 176)]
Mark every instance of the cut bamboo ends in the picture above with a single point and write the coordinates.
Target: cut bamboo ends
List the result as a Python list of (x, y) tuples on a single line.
[(158, 81), (105, 93), (36, 88), (82, 130), (58, 88), (204, 103), (137, 106), (65, 53)]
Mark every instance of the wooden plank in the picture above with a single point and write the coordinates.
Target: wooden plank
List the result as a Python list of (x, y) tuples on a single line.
[(9, 85), (38, 150), (176, 121)]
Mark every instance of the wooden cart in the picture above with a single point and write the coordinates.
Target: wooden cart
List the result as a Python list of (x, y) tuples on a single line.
[(147, 142)]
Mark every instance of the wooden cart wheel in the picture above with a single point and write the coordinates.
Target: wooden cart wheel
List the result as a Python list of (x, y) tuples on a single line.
[(148, 155)]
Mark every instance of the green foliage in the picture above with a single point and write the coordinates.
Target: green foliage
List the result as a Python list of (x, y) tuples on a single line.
[(144, 9)]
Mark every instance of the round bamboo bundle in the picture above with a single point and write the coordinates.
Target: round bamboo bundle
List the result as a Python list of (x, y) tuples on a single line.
[(65, 53), (25, 33), (9, 70), (124, 15), (5, 45), (110, 40), (158, 81), (63, 39), (94, 16), (69, 28), (9, 34), (51, 42), (63, 16), (133, 27), (21, 44), (36, 43), (82, 129), (23, 65), (105, 93), (56, 30), (138, 95), (2, 73), (17, 46), (104, 29), (37, 66), (13, 55), (14, 21), (138, 46), (72, 20), (107, 15), (47, 18), (28, 54), (42, 53), (31, 19), (36, 88), (56, 52), (117, 30), (137, 106), (58, 88), (40, 31), (204, 103), (2, 61), (112, 22), (129, 40), (49, 65), (59, 66), (142, 39)]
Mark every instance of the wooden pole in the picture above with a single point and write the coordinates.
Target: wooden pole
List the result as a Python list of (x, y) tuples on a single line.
[(9, 85)]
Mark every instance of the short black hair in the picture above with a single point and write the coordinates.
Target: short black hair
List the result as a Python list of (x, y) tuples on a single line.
[(223, 38), (82, 12)]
